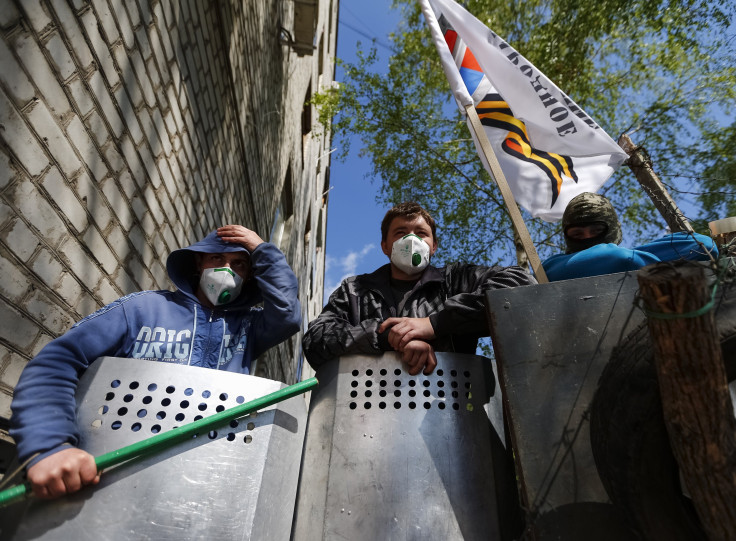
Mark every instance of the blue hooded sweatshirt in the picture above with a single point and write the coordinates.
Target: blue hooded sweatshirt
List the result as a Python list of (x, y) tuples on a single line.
[(607, 258), (165, 326)]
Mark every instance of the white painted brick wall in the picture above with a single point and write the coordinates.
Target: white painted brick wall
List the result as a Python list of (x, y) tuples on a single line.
[(8, 15), (71, 29), (123, 20), (7, 171), (88, 192), (14, 286), (60, 57), (53, 138), (113, 157), (13, 79), (41, 74), (19, 138), (36, 209), (102, 253), (71, 291), (20, 240), (18, 329), (79, 135), (62, 195), (48, 312), (7, 214), (80, 95), (101, 50), (84, 267), (104, 16), (46, 267), (109, 111)]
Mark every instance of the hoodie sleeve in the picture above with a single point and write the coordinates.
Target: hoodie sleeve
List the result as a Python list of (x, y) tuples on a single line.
[(464, 310), (281, 314), (44, 408), (693, 246)]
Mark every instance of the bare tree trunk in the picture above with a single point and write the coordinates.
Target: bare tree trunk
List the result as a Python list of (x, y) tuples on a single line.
[(695, 399), (641, 165)]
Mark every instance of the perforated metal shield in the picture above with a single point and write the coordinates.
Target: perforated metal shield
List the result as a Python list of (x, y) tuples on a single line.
[(394, 456), (237, 482)]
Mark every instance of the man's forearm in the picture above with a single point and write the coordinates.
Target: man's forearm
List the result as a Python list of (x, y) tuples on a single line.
[(329, 338), (279, 289)]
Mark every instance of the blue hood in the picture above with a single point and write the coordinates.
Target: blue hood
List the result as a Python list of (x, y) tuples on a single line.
[(182, 269)]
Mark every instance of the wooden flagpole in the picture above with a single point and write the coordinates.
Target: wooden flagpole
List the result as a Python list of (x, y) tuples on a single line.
[(516, 219)]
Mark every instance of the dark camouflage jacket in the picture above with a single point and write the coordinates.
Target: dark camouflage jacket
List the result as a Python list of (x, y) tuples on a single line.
[(452, 297)]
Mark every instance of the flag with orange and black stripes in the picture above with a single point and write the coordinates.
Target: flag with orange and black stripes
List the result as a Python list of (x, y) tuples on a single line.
[(550, 150)]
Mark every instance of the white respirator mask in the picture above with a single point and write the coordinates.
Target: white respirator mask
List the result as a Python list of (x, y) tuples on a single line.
[(410, 254), (221, 285)]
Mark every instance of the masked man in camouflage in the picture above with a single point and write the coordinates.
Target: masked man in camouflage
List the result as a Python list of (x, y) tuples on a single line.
[(592, 233)]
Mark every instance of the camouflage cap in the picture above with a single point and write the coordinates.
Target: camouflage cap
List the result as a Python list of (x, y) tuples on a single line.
[(588, 208)]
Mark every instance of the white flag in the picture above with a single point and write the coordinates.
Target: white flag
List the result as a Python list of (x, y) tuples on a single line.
[(548, 148)]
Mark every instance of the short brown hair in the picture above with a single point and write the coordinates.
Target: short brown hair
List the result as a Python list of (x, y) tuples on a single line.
[(409, 210)]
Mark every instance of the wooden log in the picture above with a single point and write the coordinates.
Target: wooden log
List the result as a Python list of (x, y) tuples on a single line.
[(724, 233), (692, 379), (641, 165)]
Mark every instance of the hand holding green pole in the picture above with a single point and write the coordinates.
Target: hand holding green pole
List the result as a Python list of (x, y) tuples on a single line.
[(171, 437)]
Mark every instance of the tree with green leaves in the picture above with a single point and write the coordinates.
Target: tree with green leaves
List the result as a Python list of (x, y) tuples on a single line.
[(660, 70)]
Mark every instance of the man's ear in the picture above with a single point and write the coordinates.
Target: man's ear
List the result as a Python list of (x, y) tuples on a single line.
[(433, 247), (385, 248)]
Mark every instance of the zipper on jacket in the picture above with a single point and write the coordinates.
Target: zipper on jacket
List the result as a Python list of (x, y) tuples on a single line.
[(222, 344), (194, 339), (222, 336), (391, 309)]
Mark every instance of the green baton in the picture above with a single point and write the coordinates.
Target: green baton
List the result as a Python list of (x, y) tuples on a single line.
[(171, 437)]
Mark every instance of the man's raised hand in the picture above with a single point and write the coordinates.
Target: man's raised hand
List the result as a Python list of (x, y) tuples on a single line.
[(240, 235)]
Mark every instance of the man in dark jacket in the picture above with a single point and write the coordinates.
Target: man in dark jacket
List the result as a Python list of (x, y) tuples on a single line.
[(408, 305), (211, 321)]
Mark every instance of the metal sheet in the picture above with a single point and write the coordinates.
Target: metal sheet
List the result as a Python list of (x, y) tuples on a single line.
[(238, 482), (551, 343), (392, 456)]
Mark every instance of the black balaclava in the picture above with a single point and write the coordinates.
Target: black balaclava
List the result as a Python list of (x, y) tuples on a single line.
[(587, 209)]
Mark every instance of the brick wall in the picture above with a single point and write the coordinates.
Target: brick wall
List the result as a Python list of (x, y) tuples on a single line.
[(131, 128)]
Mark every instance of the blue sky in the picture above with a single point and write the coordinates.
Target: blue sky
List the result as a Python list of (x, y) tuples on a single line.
[(353, 216)]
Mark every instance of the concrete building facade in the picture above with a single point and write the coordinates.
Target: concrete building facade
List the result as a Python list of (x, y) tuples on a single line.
[(130, 128)]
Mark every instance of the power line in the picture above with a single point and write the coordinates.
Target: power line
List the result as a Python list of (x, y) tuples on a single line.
[(368, 36), (358, 18), (372, 38)]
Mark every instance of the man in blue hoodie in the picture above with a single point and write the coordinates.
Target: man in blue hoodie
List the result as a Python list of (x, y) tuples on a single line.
[(592, 233), (210, 321)]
